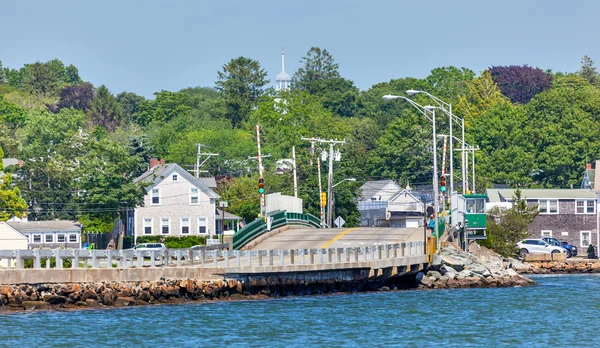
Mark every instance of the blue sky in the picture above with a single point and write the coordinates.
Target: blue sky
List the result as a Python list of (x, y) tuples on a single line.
[(144, 46)]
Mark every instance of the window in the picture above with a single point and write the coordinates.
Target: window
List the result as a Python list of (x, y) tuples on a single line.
[(585, 238), (60, 238), (174, 177), (546, 233), (202, 225), (185, 225), (155, 196), (194, 196), (585, 207), (476, 206), (147, 225), (72, 238), (164, 225), (564, 234), (548, 206), (37, 238), (49, 238)]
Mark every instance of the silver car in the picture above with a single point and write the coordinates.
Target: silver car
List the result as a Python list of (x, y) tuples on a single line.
[(537, 246)]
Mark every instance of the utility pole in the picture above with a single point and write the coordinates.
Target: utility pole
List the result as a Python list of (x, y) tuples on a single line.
[(199, 164), (294, 168), (330, 174), (260, 172), (321, 206)]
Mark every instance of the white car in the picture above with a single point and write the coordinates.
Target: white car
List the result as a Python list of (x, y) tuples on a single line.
[(151, 246), (537, 246)]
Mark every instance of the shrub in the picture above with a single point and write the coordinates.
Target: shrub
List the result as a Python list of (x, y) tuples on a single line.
[(67, 263), (173, 242)]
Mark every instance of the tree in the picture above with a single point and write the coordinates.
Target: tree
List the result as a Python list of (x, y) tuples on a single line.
[(449, 82), (318, 65), (482, 94), (506, 227), (44, 79), (130, 104), (520, 83), (589, 71), (165, 107), (10, 196), (77, 96), (71, 75), (2, 74), (104, 110), (241, 81)]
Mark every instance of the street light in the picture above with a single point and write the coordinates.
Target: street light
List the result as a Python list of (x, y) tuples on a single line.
[(423, 110), (447, 108), (348, 179)]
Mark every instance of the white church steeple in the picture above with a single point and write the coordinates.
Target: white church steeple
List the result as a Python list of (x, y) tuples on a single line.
[(282, 80)]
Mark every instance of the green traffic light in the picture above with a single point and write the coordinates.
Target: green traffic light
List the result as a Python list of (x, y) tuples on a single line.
[(261, 190)]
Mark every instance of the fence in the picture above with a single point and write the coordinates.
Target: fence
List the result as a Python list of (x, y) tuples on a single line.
[(82, 258)]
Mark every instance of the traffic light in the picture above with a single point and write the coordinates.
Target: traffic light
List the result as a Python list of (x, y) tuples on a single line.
[(261, 186), (443, 184), (323, 198)]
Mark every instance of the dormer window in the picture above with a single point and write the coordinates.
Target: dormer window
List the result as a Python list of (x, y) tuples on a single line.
[(174, 177)]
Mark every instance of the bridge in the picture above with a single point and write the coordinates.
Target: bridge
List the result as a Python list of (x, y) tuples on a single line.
[(295, 230)]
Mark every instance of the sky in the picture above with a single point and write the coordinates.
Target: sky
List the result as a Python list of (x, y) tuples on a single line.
[(145, 46)]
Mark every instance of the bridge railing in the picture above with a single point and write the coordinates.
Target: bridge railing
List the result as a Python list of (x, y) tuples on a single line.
[(406, 253), (280, 218)]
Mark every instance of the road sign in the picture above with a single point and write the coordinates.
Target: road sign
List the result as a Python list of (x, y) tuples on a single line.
[(339, 222)]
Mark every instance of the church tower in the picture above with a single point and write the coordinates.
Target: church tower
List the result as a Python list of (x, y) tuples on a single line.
[(282, 80)]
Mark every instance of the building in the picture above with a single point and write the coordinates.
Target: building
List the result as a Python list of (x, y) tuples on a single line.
[(176, 203), (405, 210), (566, 214), (282, 80), (11, 239), (55, 234), (373, 201)]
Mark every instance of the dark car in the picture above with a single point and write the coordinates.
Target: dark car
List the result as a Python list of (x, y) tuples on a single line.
[(573, 249), (553, 241)]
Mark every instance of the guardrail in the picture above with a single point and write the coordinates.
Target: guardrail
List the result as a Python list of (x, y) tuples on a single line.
[(83, 258), (280, 218)]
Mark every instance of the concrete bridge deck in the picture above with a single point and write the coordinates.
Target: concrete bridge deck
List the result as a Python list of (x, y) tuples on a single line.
[(313, 238)]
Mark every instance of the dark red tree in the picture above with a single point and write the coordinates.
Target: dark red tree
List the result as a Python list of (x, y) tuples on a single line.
[(520, 83), (77, 96)]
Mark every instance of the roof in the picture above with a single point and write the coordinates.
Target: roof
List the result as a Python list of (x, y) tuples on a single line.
[(209, 182), (11, 162), (504, 195), (160, 172), (373, 188), (282, 76), (7, 232), (45, 226), (228, 215), (405, 192)]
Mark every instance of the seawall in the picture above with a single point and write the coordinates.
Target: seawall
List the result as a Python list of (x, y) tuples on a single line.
[(570, 266)]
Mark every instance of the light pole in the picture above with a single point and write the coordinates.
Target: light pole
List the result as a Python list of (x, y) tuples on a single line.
[(348, 179), (447, 108), (423, 110)]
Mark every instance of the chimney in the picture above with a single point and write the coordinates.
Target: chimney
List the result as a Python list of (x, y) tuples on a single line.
[(155, 163), (588, 166)]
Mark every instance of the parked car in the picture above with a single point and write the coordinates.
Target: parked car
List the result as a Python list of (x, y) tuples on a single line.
[(537, 246), (556, 242), (151, 246), (573, 247)]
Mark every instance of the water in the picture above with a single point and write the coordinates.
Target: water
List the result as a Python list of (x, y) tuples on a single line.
[(564, 310)]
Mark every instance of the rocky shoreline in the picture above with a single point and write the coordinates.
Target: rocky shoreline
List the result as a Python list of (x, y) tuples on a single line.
[(571, 266), (453, 268)]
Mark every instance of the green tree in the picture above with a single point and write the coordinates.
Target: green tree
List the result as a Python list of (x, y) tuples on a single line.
[(44, 79), (10, 196), (104, 110), (3, 78), (482, 94), (130, 104), (317, 65), (506, 227), (589, 71), (241, 81), (449, 82), (165, 107)]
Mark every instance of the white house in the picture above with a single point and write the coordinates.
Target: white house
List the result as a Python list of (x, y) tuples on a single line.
[(176, 203), (11, 239)]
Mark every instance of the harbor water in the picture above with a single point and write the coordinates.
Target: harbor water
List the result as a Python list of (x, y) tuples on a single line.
[(562, 310)]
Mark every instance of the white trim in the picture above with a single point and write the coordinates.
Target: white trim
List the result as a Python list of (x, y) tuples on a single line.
[(586, 205), (189, 223), (64, 235), (197, 196), (46, 235), (168, 226), (547, 206), (152, 196), (205, 225), (33, 237), (73, 234), (581, 239), (549, 235), (144, 226)]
